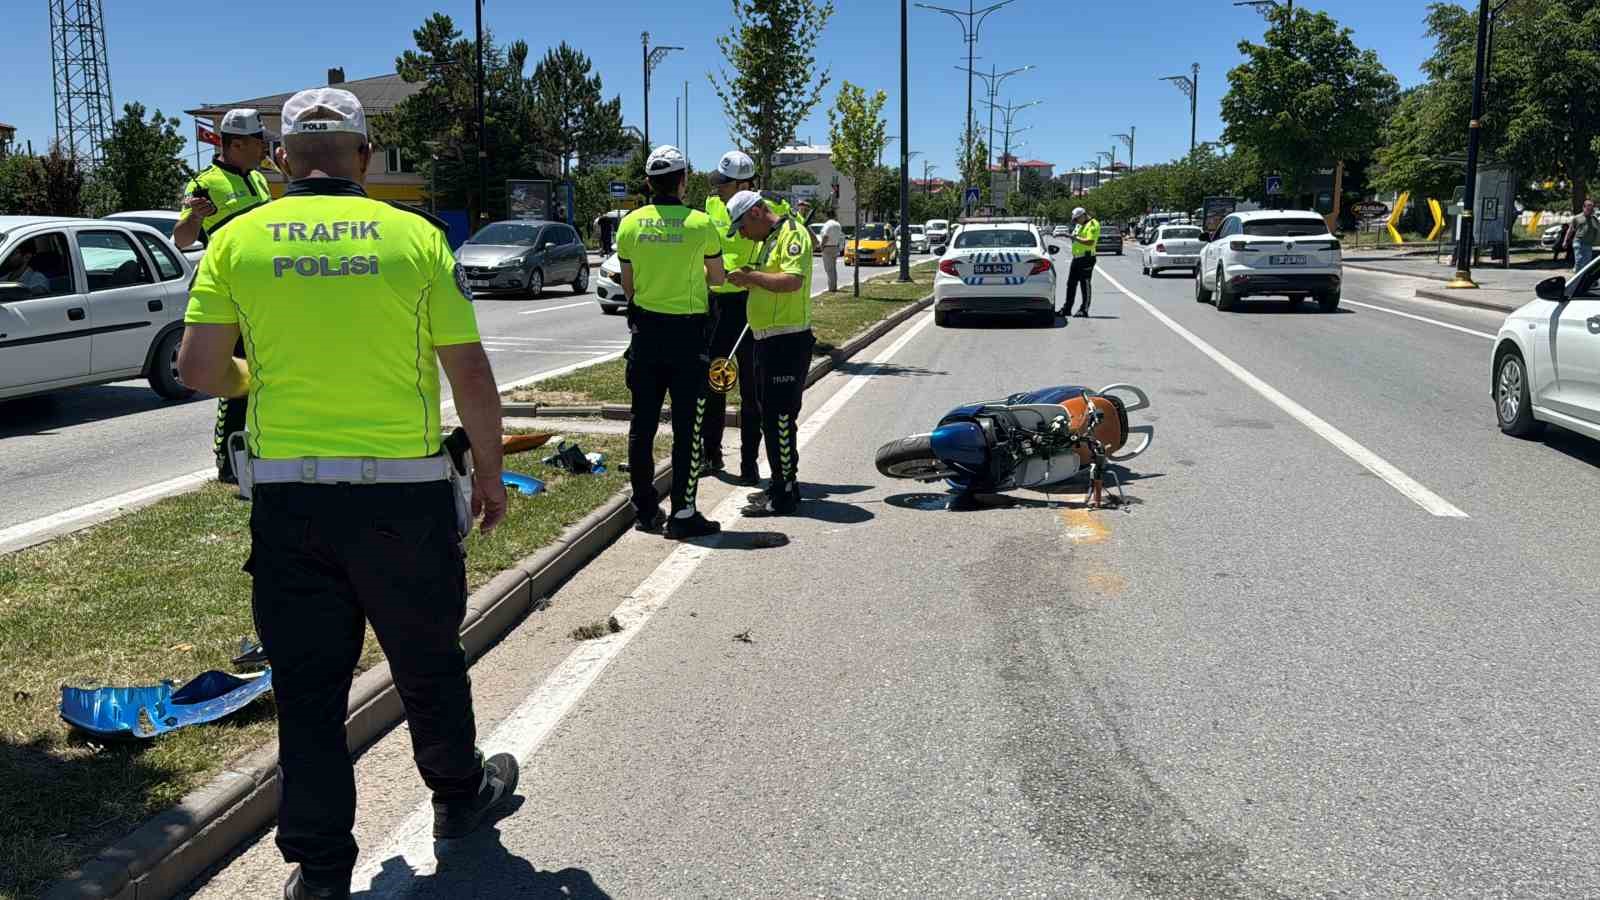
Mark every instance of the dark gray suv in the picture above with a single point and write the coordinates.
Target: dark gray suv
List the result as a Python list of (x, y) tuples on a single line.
[(524, 256)]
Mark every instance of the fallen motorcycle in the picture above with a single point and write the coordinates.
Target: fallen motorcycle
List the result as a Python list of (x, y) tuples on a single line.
[(1037, 440)]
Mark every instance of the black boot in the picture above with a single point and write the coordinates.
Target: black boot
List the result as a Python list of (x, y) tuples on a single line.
[(681, 528), (301, 887)]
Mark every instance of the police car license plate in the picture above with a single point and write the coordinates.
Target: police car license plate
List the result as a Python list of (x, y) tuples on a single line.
[(991, 269), (1295, 260)]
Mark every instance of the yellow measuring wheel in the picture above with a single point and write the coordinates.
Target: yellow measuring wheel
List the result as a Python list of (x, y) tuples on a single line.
[(724, 372)]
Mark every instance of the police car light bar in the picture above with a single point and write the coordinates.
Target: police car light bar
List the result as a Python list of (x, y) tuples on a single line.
[(995, 220)]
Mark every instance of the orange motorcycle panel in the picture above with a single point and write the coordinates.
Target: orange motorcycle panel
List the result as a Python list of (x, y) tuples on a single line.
[(1110, 430)]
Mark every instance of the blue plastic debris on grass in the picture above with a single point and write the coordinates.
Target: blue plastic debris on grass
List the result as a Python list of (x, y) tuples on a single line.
[(145, 712), (527, 485)]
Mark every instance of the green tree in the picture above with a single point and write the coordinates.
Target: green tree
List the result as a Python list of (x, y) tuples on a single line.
[(142, 162), (774, 84), (1307, 96), (858, 133), (57, 183), (20, 186), (572, 117), (972, 160)]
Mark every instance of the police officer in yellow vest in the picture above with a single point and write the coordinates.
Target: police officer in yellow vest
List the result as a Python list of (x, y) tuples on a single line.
[(229, 187), (1085, 236), (348, 307), (779, 309), (734, 173), (670, 254)]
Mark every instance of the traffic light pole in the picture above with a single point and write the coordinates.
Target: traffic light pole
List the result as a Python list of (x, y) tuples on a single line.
[(1469, 197)]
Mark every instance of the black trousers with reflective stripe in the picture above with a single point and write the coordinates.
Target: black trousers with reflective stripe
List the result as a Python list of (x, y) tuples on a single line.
[(782, 363), (729, 309), (667, 358), (1080, 272), (231, 413), (326, 560)]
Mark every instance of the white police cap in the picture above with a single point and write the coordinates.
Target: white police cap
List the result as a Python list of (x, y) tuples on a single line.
[(735, 165), (738, 205), (245, 122), (337, 111), (664, 160)]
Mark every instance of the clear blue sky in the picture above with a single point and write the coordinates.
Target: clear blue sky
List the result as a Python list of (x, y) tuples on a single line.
[(1097, 69)]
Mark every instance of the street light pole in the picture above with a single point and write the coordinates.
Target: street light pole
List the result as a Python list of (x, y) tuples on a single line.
[(1469, 197), (905, 147), (1190, 85), (652, 58), (1128, 139), (970, 20), (992, 82), (483, 152)]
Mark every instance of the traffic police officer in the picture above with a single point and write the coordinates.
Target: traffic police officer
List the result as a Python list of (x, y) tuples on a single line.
[(779, 310), (231, 186), (1085, 235), (669, 254), (348, 307), (735, 172)]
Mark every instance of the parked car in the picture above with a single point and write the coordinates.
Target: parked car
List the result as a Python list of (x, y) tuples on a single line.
[(875, 245), (1061, 231), (919, 238), (996, 268), (1110, 239), (1284, 252), (1549, 237), (608, 287), (524, 256), (938, 232), (164, 221), (1545, 366), (89, 301), (1174, 247)]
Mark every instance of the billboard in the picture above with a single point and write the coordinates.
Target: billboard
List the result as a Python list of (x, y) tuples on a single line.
[(529, 198)]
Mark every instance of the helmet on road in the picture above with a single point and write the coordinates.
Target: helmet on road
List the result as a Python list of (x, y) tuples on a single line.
[(664, 160), (735, 165)]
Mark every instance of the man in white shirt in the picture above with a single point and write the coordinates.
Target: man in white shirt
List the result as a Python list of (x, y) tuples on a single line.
[(832, 242)]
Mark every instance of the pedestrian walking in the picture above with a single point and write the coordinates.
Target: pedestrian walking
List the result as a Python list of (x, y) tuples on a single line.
[(1585, 234), (1085, 235), (231, 186), (779, 310), (832, 242), (357, 511), (734, 173), (670, 255)]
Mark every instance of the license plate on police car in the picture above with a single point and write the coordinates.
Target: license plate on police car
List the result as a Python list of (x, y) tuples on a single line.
[(991, 269), (1295, 260)]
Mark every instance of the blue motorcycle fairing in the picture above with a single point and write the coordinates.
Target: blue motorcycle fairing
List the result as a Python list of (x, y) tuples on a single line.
[(148, 711), (1048, 395), (960, 441)]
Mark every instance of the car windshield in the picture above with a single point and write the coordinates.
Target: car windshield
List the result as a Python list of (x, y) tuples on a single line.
[(916, 229), (874, 232), (938, 225), (995, 237), (506, 233), (164, 226), (1181, 234), (1285, 227)]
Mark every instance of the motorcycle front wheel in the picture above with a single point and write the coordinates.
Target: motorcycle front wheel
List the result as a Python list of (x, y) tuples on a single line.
[(912, 457)]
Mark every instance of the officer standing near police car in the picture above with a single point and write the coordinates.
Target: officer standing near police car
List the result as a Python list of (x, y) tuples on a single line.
[(670, 255), (734, 173), (348, 307), (231, 186), (779, 311)]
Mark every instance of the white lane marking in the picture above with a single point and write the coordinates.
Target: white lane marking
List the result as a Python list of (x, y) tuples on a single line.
[(33, 531), (1374, 463), (530, 725), (535, 351), (529, 312), (1396, 312), (450, 404)]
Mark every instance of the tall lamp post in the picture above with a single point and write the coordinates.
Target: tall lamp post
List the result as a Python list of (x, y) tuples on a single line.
[(905, 147), (1190, 85), (483, 150), (970, 20), (1128, 139), (992, 81), (927, 179), (1469, 197), (652, 58)]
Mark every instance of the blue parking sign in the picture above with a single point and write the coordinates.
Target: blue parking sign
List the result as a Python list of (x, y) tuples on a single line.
[(619, 189)]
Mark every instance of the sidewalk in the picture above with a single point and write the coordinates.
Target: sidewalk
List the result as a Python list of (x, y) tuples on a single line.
[(1498, 289)]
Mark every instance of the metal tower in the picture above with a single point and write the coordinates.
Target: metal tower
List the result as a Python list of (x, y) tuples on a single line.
[(84, 111)]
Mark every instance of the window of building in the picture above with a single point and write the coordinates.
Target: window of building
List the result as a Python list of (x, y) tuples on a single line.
[(395, 161)]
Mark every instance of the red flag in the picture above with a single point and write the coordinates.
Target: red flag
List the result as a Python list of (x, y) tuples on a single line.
[(206, 136)]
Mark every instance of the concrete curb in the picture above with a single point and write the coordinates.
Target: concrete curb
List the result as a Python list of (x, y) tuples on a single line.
[(1470, 298), (161, 856)]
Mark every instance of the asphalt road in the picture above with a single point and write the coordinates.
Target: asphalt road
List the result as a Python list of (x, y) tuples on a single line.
[(63, 450), (1274, 674)]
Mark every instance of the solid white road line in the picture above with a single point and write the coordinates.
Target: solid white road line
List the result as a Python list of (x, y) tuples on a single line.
[(526, 729), (26, 534), (529, 312), (1396, 312), (1374, 463)]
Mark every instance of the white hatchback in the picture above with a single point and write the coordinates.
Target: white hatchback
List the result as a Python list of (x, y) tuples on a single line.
[(996, 267), (1289, 253), (1545, 366), (1173, 247)]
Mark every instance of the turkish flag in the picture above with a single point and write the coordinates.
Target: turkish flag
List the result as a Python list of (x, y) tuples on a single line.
[(206, 136)]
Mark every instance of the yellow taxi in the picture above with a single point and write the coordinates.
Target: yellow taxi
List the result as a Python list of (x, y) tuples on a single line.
[(874, 244)]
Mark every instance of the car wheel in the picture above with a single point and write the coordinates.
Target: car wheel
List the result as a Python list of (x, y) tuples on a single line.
[(1226, 299), (1513, 404), (1201, 295), (941, 318), (164, 368), (581, 284), (1328, 302), (535, 284)]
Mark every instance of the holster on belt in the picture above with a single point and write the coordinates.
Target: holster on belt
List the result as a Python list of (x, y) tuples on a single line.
[(458, 446)]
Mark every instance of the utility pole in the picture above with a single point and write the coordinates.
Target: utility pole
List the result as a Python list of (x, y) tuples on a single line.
[(1190, 86), (1128, 139), (685, 147), (1469, 197), (992, 81), (905, 147), (483, 152), (971, 21), (927, 180), (652, 58)]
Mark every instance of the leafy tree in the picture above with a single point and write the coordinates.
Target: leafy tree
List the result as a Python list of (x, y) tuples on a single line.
[(774, 84), (572, 118), (972, 159), (20, 186), (1306, 96), (857, 132), (57, 184), (142, 160)]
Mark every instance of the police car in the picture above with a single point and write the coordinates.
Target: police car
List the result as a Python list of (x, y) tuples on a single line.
[(996, 266)]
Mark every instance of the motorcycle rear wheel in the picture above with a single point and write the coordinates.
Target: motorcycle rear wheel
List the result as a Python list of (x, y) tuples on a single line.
[(912, 457)]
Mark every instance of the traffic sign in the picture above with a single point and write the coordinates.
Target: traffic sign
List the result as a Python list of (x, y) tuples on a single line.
[(1274, 185), (972, 196), (1368, 210), (619, 189)]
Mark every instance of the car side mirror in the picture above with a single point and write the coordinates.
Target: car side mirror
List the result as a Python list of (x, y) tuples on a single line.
[(1554, 288), (1054, 249)]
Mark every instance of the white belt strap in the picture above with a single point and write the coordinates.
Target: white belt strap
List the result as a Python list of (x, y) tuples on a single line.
[(335, 470), (762, 334)]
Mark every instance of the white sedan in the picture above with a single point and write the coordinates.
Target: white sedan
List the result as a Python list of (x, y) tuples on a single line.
[(996, 267), (1545, 366), (608, 287), (1174, 247)]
